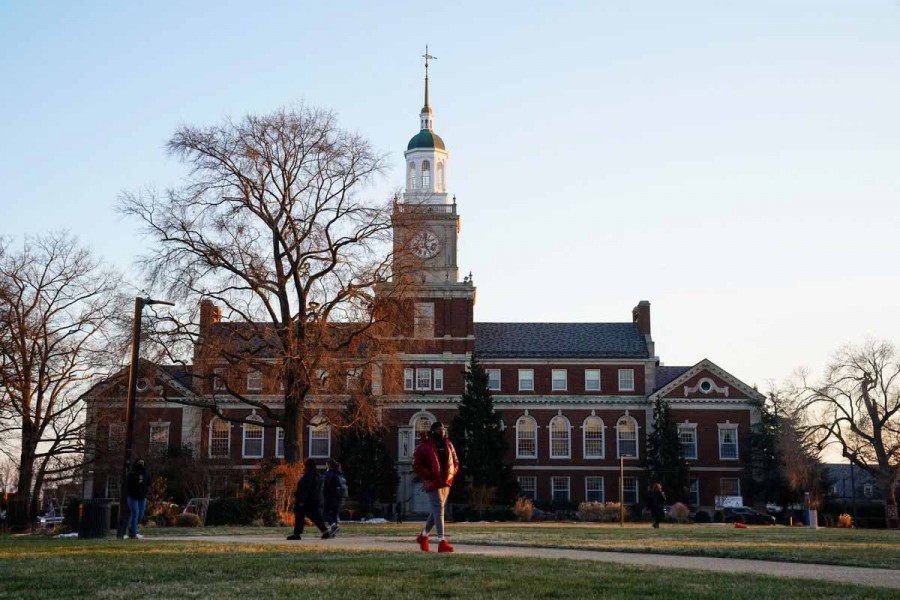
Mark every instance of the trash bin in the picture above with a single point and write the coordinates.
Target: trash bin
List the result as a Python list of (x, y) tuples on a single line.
[(94, 522)]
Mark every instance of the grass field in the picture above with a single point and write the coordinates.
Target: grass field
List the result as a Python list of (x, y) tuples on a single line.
[(851, 547), (37, 567)]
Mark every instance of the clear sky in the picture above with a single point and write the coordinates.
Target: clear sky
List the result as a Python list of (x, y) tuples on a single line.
[(734, 163)]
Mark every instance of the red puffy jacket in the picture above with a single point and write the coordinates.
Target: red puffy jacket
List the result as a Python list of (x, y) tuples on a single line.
[(428, 467)]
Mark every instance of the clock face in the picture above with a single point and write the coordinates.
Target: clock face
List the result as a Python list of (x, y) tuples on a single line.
[(426, 245)]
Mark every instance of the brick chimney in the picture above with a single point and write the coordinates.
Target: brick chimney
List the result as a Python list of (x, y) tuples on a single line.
[(210, 314), (640, 314)]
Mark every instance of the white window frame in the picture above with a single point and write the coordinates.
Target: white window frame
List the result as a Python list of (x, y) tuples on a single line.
[(426, 175), (414, 423), (737, 486), (212, 427), (553, 489), (599, 380), (628, 482), (154, 450), (553, 380), (245, 428), (523, 490), (254, 380), (420, 386), (114, 487), (318, 425), (490, 372), (220, 379), (520, 438), (279, 442), (423, 320), (637, 446), (588, 488), (531, 377), (584, 438), (694, 492), (692, 429), (567, 429), (723, 427), (409, 379), (624, 374), (437, 379)]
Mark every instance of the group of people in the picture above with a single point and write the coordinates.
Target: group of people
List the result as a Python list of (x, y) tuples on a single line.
[(319, 498)]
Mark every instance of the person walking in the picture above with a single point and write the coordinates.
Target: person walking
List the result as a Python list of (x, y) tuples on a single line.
[(436, 464), (334, 491), (656, 502), (308, 501), (136, 491)]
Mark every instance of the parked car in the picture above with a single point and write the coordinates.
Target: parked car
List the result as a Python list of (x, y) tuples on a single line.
[(745, 514)]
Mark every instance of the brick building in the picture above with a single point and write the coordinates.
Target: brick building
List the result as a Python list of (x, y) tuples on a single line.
[(574, 397)]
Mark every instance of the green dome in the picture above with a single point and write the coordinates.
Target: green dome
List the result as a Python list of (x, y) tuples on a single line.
[(426, 139)]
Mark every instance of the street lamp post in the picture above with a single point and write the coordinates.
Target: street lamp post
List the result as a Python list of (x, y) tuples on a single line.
[(139, 304)]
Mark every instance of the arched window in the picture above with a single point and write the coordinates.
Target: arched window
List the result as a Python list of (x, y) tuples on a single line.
[(426, 175), (319, 438), (219, 438), (560, 438), (440, 176), (626, 438), (411, 178), (526, 437), (254, 438), (421, 425), (592, 430)]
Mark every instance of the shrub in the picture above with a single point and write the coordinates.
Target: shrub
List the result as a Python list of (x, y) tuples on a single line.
[(523, 509), (845, 521), (227, 511), (701, 516), (718, 517), (598, 512), (187, 520), (679, 512)]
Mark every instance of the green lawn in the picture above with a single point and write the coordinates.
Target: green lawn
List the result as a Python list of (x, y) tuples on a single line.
[(36, 567), (853, 547)]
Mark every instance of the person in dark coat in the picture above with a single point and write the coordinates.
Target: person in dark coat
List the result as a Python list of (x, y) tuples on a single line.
[(334, 490), (136, 491), (656, 502), (308, 501), (436, 464)]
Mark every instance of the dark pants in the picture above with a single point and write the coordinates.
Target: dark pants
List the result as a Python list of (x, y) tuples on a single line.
[(300, 514), (332, 510), (658, 515)]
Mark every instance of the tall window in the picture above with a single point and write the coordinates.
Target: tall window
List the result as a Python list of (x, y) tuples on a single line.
[(626, 380), (409, 379), (159, 439), (319, 438), (253, 440), (593, 489), (423, 379), (592, 380), (526, 380), (559, 380), (426, 175), (114, 488), (254, 381), (687, 435), (729, 486), (630, 490), (559, 489), (424, 320), (116, 435), (279, 442), (440, 177), (411, 183), (493, 379), (728, 442), (626, 438), (526, 437), (438, 379), (592, 429), (527, 487), (694, 492), (219, 438), (219, 375), (560, 442)]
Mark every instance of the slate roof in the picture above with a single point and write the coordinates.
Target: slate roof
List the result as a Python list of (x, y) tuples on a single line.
[(180, 373), (666, 375), (559, 340)]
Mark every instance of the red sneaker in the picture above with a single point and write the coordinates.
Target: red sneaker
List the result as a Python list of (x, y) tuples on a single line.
[(444, 546), (423, 542)]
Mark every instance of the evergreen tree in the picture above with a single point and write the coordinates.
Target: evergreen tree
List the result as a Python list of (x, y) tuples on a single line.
[(665, 459), (370, 473), (477, 434)]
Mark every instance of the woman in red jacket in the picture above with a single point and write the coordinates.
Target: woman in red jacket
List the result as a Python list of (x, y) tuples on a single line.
[(435, 462)]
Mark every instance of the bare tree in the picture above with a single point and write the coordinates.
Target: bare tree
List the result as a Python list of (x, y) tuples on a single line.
[(270, 226), (857, 406), (57, 304)]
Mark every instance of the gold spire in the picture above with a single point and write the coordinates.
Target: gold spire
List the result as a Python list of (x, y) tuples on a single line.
[(427, 57)]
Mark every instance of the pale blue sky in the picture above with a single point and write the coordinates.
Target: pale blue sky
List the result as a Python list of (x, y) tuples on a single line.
[(736, 165)]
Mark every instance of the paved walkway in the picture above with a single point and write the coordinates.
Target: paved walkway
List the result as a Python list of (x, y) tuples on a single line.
[(885, 578)]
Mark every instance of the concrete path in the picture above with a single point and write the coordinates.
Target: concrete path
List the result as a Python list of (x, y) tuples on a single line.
[(884, 578)]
